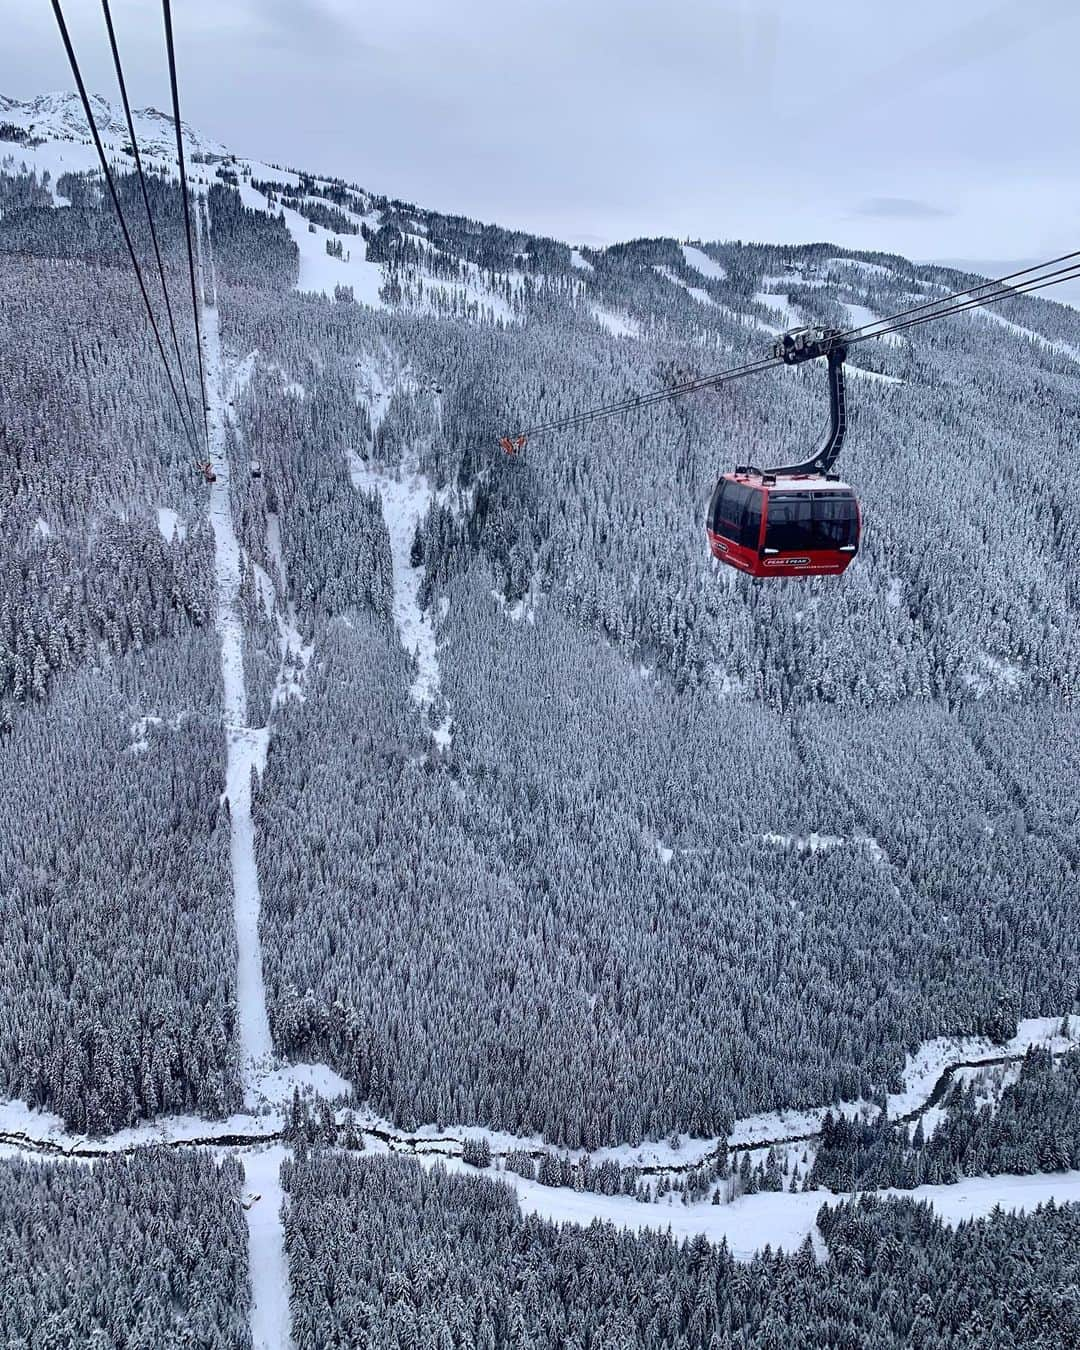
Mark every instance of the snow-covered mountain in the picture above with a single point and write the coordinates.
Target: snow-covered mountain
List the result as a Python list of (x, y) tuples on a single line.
[(466, 791), (60, 117)]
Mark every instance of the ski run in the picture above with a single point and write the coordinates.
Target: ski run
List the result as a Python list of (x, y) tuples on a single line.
[(405, 496)]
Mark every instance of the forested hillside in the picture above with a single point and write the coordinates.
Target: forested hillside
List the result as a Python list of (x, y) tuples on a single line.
[(561, 829), (141, 1251), (364, 788), (396, 1254)]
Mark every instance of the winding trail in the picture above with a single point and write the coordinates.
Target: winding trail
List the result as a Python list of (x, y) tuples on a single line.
[(243, 1131)]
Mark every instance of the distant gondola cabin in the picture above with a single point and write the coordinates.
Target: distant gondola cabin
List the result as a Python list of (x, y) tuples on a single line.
[(788, 526)]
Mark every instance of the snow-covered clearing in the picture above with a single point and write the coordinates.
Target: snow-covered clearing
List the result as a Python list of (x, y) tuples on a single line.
[(747, 1224), (618, 325), (782, 305), (931, 1118), (523, 609), (814, 843), (860, 316), (875, 268), (697, 293), (701, 296), (406, 496), (239, 380), (376, 380), (54, 158), (1060, 348), (977, 1197), (862, 374), (700, 261), (581, 263), (170, 524), (140, 743), (782, 1218), (295, 652), (405, 499), (993, 673), (723, 683)]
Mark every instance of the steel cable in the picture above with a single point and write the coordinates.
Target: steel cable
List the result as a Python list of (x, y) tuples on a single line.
[(91, 121), (146, 203)]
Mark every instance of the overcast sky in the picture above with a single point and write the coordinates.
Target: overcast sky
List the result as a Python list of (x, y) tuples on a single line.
[(933, 128)]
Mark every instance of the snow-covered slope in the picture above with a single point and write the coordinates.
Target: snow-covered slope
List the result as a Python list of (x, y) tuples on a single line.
[(60, 117), (619, 306), (384, 253)]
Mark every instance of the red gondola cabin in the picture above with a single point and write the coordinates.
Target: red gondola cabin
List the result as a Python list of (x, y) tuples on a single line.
[(766, 525)]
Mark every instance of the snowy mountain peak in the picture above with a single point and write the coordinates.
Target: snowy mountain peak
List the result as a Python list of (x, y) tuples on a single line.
[(60, 117)]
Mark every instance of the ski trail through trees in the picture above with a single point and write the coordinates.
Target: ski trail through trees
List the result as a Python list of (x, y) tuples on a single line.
[(406, 496)]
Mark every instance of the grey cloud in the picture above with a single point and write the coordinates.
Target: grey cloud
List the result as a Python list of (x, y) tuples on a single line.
[(605, 119), (900, 208)]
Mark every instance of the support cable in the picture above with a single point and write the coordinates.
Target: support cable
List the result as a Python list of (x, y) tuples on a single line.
[(956, 295), (940, 308), (166, 9), (146, 202), (89, 112)]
